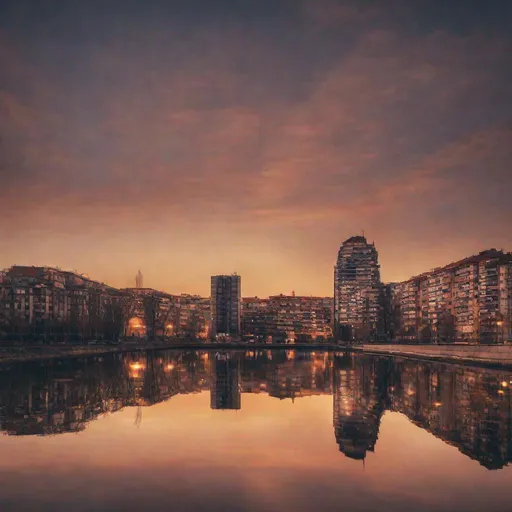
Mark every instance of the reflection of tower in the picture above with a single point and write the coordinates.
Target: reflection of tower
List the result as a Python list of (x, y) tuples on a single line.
[(138, 416), (225, 387), (138, 280), (357, 408)]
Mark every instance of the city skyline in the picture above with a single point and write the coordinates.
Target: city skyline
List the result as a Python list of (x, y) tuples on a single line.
[(189, 140), (290, 292)]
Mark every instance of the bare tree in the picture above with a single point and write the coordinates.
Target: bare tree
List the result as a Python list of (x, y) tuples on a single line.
[(151, 307), (426, 335), (94, 313), (446, 330), (128, 307), (113, 320)]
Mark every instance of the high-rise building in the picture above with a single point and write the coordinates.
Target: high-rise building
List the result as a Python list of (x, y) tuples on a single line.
[(357, 291), (226, 305), (138, 280)]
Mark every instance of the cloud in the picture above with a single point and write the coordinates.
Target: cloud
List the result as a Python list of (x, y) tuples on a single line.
[(236, 129)]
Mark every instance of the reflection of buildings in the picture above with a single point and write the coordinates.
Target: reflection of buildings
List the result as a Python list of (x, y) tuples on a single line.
[(466, 407), (357, 406), (304, 374), (225, 383)]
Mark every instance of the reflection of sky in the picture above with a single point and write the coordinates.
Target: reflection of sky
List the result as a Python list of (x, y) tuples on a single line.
[(271, 455)]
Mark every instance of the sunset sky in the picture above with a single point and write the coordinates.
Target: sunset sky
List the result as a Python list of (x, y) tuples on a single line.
[(189, 138)]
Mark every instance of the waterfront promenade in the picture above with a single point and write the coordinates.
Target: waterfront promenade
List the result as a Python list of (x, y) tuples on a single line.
[(500, 355), (481, 355)]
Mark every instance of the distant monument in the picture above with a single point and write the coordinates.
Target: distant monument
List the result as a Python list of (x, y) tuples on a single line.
[(138, 280)]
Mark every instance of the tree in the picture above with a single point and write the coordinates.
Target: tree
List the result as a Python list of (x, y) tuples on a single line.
[(151, 307), (94, 313), (446, 330), (113, 320), (128, 307), (426, 334), (193, 325)]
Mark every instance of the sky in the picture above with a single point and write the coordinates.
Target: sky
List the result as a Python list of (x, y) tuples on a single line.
[(192, 138)]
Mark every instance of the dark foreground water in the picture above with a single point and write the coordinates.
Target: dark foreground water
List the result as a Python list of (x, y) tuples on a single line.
[(254, 431)]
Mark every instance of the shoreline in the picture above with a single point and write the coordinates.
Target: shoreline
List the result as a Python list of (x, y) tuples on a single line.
[(491, 356)]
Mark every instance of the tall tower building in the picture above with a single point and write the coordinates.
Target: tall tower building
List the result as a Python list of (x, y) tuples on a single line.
[(226, 305), (357, 291), (138, 280)]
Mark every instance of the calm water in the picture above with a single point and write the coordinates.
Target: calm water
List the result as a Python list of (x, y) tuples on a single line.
[(254, 431)]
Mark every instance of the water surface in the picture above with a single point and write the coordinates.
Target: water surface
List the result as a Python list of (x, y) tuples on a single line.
[(252, 431)]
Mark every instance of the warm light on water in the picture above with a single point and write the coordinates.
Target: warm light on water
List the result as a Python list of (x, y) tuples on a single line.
[(311, 433)]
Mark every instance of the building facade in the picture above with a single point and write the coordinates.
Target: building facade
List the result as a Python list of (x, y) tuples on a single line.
[(357, 291), (284, 318), (226, 305), (46, 301), (468, 300)]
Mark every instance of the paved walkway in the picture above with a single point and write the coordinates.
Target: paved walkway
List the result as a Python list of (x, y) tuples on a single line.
[(487, 354)]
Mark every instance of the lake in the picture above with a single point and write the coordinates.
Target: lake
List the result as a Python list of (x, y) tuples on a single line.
[(258, 430)]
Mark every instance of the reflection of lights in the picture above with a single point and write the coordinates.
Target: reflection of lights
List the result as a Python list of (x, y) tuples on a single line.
[(438, 404), (136, 366), (499, 323), (169, 367), (410, 392), (501, 392), (504, 384)]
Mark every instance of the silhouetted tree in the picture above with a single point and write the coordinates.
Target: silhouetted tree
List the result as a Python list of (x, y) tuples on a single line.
[(151, 306), (128, 307), (113, 320), (426, 334), (446, 327), (94, 319)]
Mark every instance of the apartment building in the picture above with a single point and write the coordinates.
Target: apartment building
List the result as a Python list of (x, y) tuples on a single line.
[(288, 318), (226, 305), (470, 299), (34, 300)]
